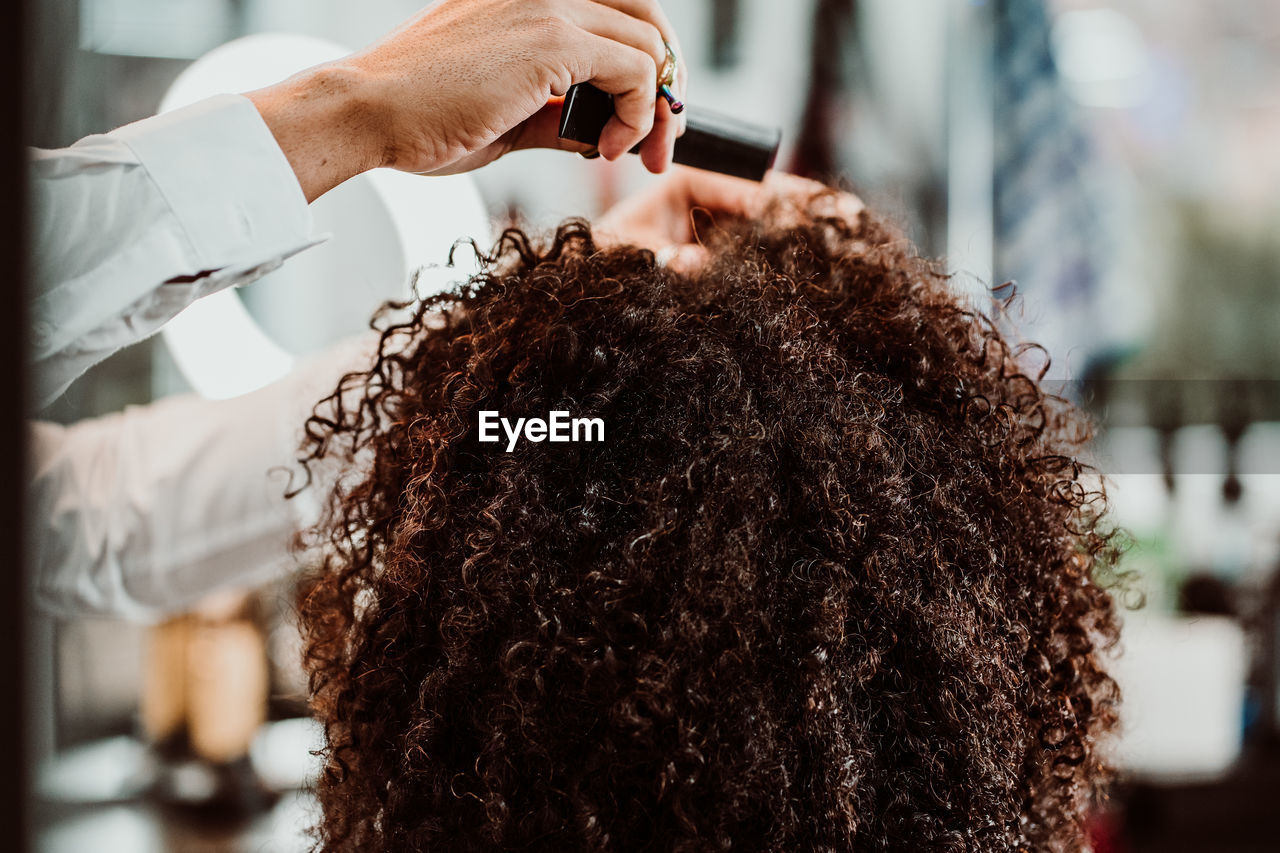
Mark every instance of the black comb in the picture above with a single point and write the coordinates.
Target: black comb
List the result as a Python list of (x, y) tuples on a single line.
[(711, 141)]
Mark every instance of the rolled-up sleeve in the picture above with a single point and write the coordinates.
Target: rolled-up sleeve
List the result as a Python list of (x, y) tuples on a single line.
[(132, 226)]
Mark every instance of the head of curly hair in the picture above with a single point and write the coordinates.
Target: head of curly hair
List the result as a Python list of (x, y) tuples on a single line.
[(834, 580)]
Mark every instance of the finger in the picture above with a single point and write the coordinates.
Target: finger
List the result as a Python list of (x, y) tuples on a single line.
[(659, 145), (801, 193), (651, 11), (631, 77), (645, 10), (787, 185), (715, 192), (608, 22), (642, 25), (682, 92), (603, 20), (659, 214)]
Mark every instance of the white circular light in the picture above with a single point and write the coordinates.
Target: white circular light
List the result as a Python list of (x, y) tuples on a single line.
[(1102, 56), (384, 225)]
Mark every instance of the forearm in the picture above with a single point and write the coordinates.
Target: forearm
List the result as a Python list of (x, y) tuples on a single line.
[(142, 513), (325, 123), (130, 227)]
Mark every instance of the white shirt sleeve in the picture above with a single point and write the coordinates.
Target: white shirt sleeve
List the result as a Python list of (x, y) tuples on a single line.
[(142, 513), (132, 226)]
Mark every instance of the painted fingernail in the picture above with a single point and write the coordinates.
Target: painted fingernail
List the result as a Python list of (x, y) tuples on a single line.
[(677, 106)]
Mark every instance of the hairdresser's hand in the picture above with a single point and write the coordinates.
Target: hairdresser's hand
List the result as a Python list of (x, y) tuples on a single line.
[(660, 217), (466, 81)]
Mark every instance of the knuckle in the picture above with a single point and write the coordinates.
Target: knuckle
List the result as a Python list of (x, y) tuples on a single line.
[(561, 79), (552, 31), (642, 65), (651, 10), (656, 45)]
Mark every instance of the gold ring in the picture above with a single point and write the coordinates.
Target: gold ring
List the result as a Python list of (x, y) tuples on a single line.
[(667, 80), (667, 75)]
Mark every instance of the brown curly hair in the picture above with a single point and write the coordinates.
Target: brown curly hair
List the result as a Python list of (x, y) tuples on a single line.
[(833, 581)]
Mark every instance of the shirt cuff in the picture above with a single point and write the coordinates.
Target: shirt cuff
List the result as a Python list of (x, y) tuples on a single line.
[(224, 177)]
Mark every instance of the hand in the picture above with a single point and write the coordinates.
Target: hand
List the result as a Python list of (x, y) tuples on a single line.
[(466, 81), (659, 217)]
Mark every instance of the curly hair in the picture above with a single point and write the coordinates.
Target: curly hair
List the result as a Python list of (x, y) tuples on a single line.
[(835, 580)]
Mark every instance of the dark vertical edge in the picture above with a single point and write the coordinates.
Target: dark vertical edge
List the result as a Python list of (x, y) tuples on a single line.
[(14, 743), (834, 42)]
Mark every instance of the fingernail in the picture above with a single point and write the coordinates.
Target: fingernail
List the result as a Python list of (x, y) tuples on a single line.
[(677, 106)]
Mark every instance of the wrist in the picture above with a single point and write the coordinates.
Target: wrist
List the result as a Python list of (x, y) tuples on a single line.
[(324, 121)]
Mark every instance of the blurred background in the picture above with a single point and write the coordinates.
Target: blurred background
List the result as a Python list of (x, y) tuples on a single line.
[(1114, 164)]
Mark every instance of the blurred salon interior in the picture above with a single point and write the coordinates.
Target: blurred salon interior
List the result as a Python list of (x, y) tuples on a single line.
[(1113, 163)]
